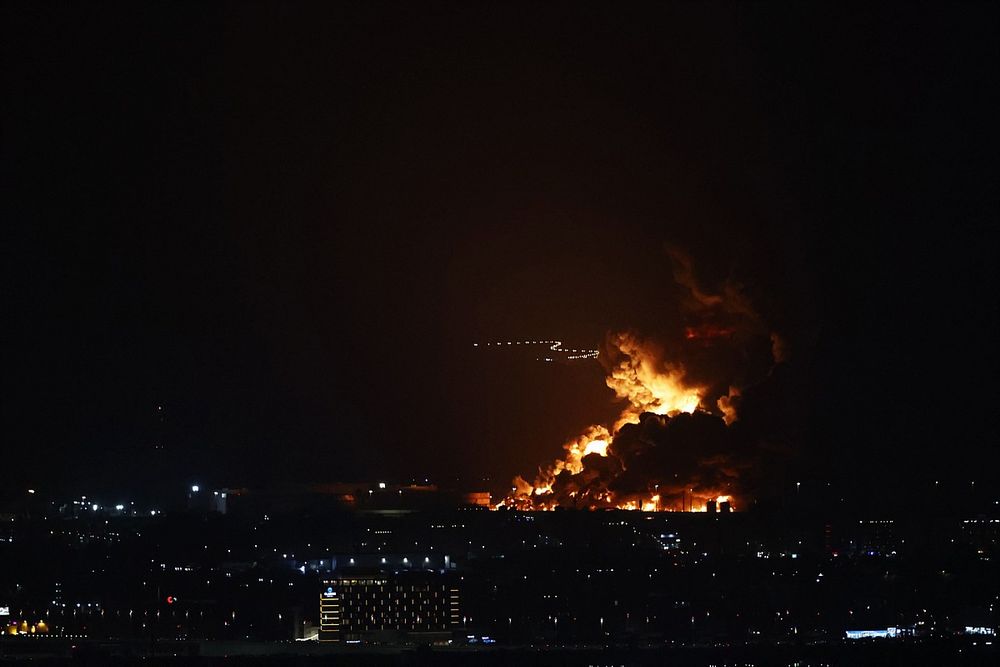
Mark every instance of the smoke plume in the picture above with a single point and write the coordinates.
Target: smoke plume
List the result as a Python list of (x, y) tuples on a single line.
[(678, 441)]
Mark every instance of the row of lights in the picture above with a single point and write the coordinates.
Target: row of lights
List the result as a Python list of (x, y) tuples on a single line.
[(554, 345)]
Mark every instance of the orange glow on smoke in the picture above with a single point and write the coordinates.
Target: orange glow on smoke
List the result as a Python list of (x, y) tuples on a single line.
[(646, 384), (649, 385), (593, 441), (707, 332)]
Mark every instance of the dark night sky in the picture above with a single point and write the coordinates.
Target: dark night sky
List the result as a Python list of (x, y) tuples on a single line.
[(286, 226)]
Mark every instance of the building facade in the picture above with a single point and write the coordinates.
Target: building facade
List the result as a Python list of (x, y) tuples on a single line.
[(376, 607)]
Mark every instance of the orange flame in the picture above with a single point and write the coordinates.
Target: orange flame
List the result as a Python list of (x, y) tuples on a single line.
[(692, 502), (648, 385)]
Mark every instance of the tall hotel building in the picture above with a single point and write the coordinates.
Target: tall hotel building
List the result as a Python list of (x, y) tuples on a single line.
[(384, 606)]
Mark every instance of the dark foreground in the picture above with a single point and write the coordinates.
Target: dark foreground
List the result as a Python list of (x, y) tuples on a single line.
[(878, 653)]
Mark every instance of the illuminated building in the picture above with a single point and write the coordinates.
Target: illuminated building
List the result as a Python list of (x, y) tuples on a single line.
[(329, 613), (887, 633), (383, 606), (477, 499)]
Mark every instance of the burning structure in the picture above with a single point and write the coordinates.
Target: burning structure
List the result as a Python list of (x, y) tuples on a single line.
[(677, 444)]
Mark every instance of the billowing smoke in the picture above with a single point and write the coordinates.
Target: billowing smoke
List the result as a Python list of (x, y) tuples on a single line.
[(678, 441), (728, 404)]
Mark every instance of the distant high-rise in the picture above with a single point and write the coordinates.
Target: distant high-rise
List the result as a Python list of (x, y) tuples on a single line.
[(366, 607)]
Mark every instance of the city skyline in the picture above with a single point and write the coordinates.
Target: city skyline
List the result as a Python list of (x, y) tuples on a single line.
[(629, 300)]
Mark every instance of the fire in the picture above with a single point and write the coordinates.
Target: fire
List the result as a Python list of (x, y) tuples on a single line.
[(671, 447), (688, 502), (646, 384), (594, 441), (649, 386)]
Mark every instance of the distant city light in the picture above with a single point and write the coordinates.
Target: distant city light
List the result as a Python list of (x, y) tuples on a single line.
[(119, 507), (195, 488), (94, 507), (873, 634), (381, 485), (31, 490)]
